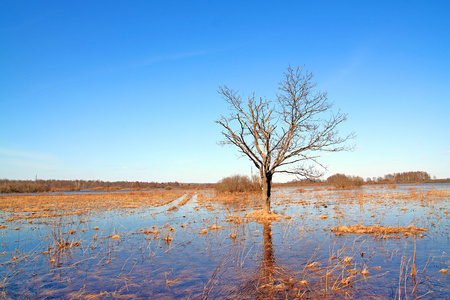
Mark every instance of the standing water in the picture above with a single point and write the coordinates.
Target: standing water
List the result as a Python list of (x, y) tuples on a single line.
[(376, 242)]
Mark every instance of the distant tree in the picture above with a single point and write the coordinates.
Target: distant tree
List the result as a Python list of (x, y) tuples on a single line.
[(136, 186), (293, 130), (342, 181), (236, 184)]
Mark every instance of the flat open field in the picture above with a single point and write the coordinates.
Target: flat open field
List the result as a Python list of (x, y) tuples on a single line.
[(377, 242)]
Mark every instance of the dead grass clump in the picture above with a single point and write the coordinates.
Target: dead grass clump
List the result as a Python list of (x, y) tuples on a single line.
[(148, 231), (180, 203), (215, 227), (167, 238), (376, 229), (348, 260), (172, 208), (365, 271), (313, 265), (184, 201), (235, 219), (64, 245), (347, 281), (263, 216)]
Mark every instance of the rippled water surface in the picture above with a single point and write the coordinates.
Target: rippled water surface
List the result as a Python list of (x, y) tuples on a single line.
[(208, 249)]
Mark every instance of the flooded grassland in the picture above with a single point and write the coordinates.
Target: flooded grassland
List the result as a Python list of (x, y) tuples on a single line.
[(378, 242)]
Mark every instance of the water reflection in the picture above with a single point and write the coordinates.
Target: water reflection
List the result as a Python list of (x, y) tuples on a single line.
[(268, 262), (270, 281)]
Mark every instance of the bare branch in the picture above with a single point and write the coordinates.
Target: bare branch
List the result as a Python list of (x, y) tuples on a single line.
[(289, 131)]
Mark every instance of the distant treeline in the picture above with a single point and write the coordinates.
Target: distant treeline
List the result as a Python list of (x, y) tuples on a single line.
[(341, 179), (40, 186), (417, 176), (338, 180), (240, 183)]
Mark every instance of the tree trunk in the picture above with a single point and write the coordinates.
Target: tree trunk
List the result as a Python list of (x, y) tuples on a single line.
[(266, 189)]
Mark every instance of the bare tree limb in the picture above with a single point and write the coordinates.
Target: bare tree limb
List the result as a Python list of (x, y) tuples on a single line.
[(295, 129)]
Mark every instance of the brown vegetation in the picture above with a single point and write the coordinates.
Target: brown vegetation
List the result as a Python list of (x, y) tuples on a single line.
[(391, 179), (180, 203), (417, 176), (342, 181), (237, 184), (377, 229), (52, 185), (263, 216), (47, 206)]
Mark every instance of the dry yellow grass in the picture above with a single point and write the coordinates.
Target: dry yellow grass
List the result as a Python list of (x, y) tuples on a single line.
[(313, 265), (215, 227), (180, 203), (376, 229), (236, 219), (233, 197), (263, 216), (47, 206)]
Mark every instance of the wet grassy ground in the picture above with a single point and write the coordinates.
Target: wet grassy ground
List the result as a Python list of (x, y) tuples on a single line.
[(192, 245)]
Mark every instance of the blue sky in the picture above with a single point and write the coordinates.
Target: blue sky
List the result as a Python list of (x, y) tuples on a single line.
[(127, 90)]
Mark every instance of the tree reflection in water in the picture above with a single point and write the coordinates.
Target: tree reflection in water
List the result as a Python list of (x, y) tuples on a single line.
[(270, 281), (268, 262)]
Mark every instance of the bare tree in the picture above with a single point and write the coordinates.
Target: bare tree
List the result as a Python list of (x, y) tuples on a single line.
[(290, 132)]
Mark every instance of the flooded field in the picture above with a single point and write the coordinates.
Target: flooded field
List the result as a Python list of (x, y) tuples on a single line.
[(377, 242)]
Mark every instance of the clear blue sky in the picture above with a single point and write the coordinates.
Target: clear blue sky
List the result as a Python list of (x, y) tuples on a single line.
[(127, 90)]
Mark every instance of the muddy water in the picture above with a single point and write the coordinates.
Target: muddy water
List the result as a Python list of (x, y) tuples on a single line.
[(118, 254)]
